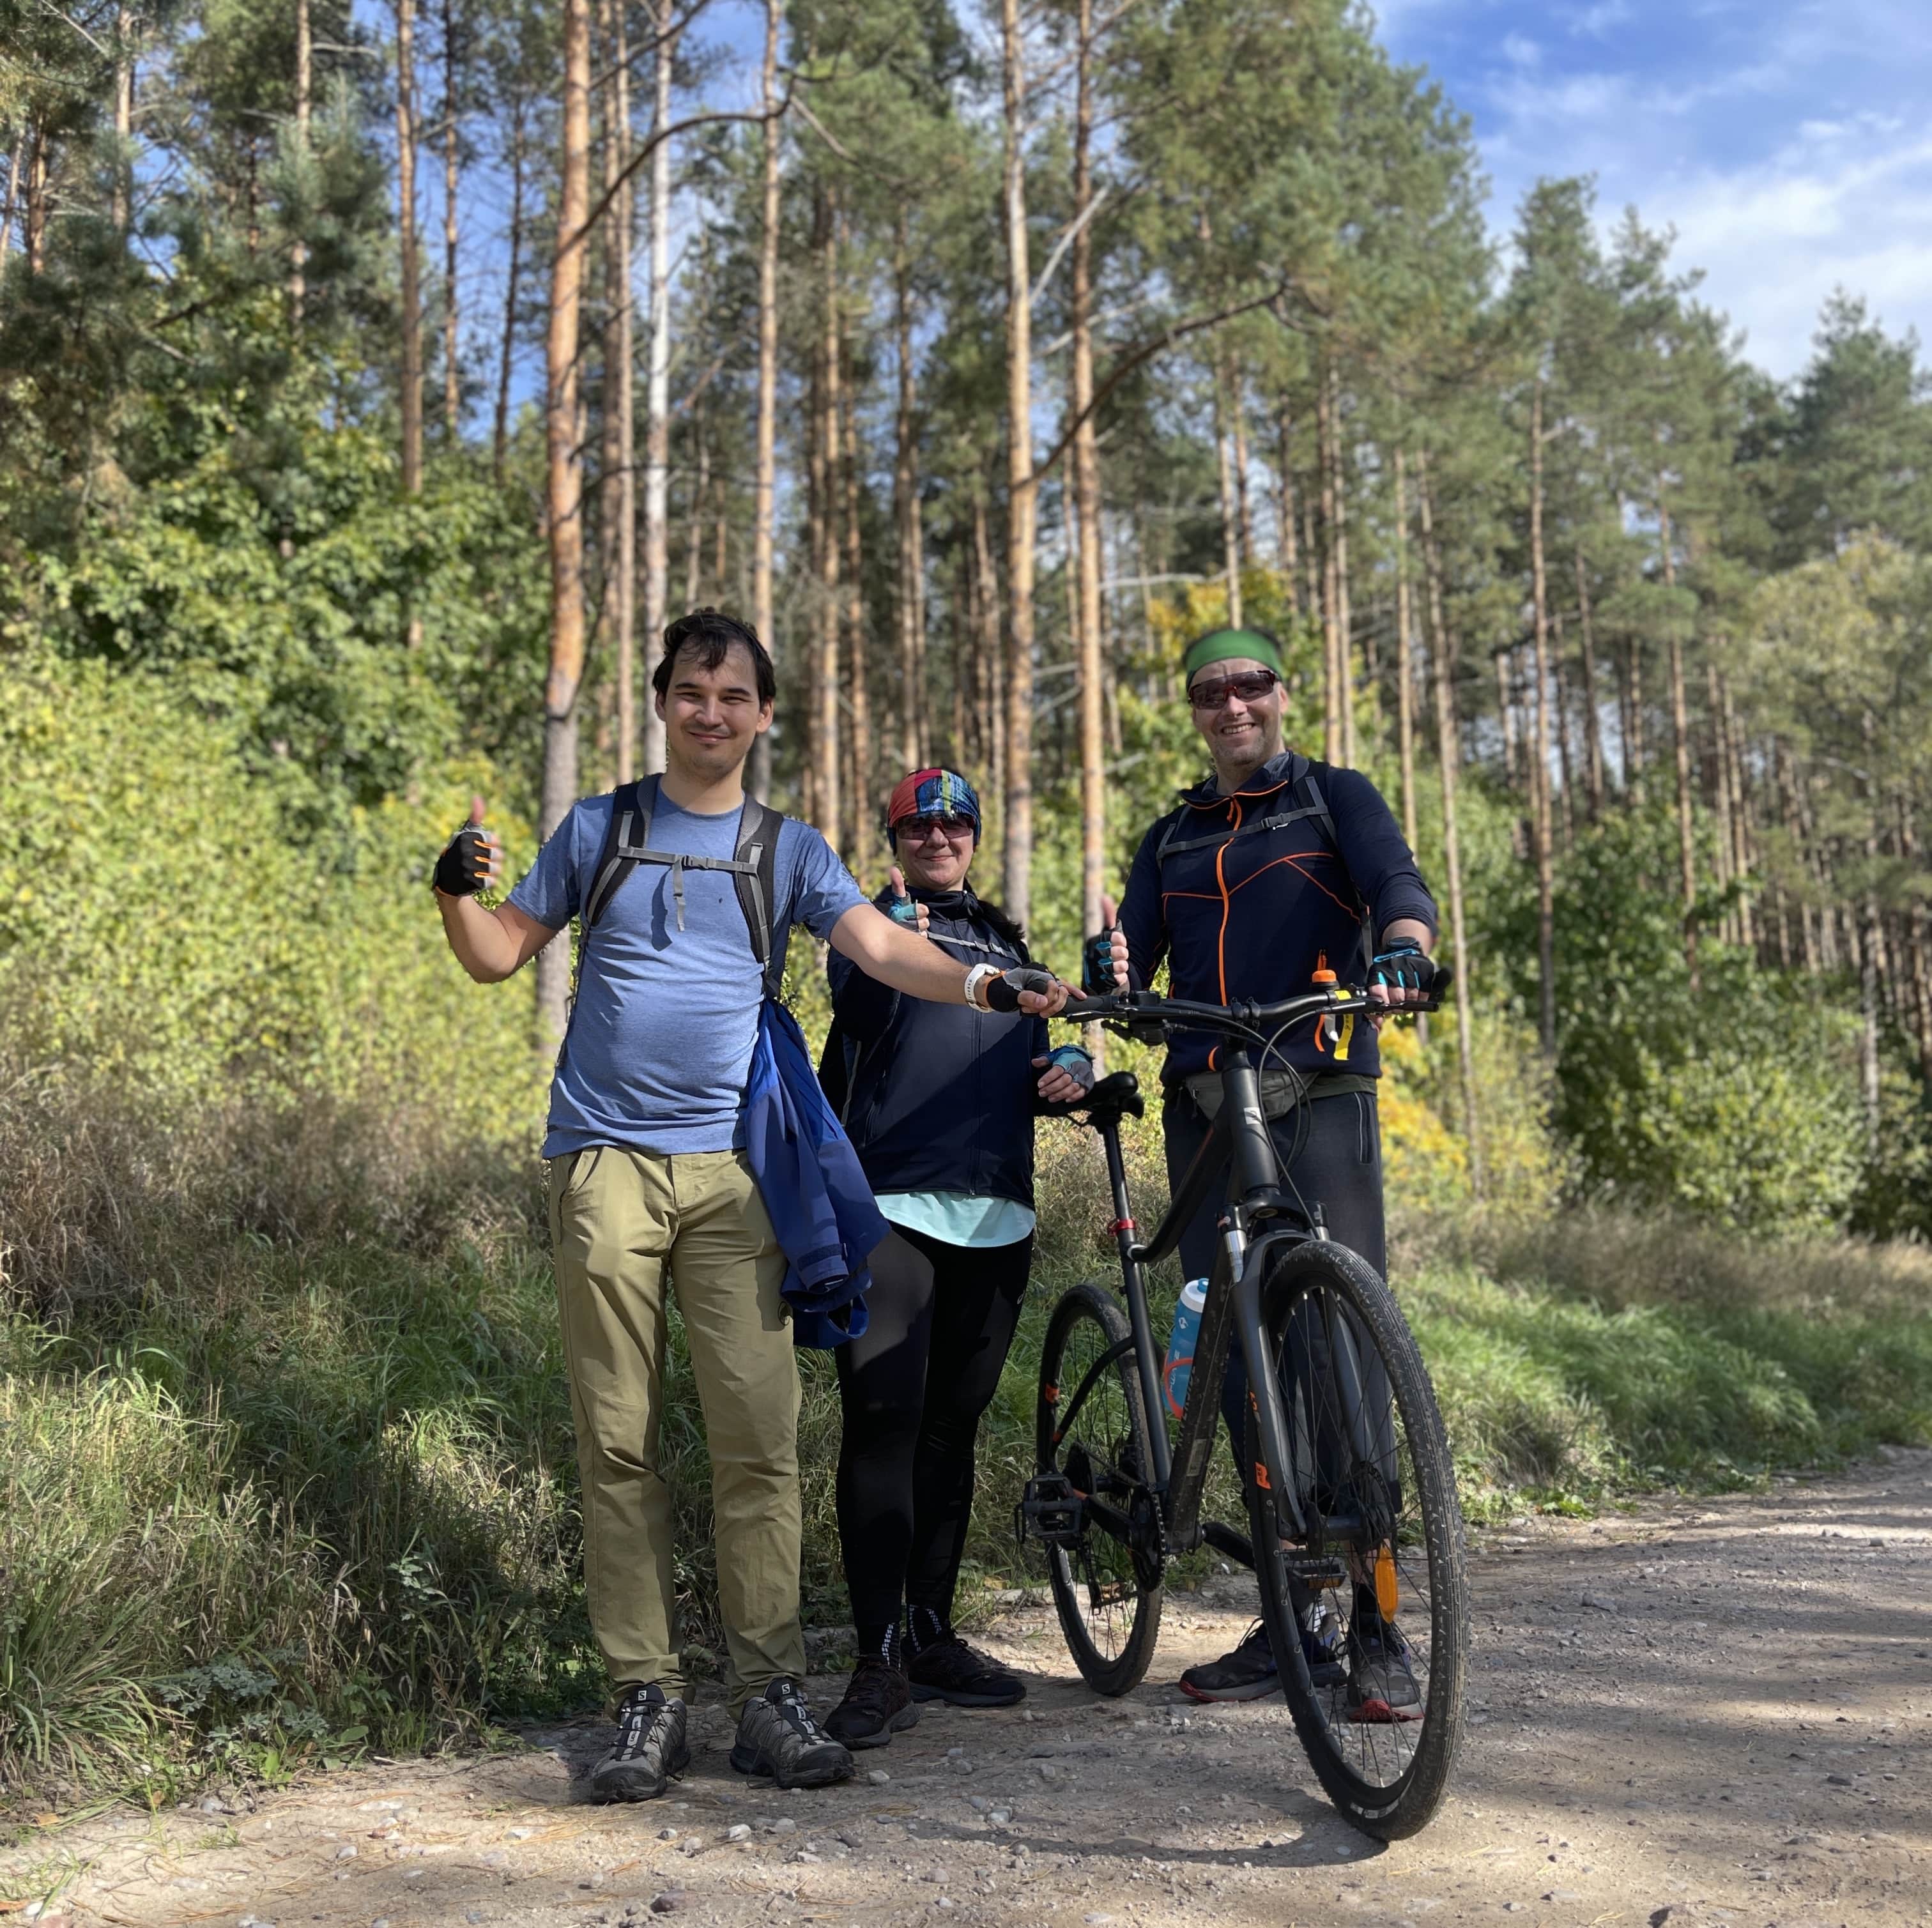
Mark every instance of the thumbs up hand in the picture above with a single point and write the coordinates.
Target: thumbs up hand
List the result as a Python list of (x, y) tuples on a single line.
[(1104, 955), (903, 909), (473, 860)]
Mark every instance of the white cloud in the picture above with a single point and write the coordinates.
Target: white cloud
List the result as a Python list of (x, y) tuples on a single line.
[(1595, 22), (1785, 171), (1522, 54)]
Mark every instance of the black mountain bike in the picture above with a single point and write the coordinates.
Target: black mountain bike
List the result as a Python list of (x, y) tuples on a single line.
[(1355, 1533)]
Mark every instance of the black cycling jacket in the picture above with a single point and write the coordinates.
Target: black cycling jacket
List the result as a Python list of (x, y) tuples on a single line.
[(1299, 870), (936, 1097)]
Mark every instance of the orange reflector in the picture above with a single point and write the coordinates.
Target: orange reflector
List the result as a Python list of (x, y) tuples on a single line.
[(1387, 1597)]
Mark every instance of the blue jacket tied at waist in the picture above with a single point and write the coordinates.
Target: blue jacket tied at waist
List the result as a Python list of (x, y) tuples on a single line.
[(821, 1207)]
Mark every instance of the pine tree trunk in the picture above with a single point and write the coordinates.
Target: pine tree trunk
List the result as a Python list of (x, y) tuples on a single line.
[(1920, 936), (1237, 426), (1345, 644), (815, 524), (907, 518), (1743, 813), (1224, 472), (1541, 817), (990, 678), (121, 206), (1566, 787), (1722, 805), (1311, 576), (694, 533), (764, 486), (1793, 816), (37, 202), (825, 696), (1405, 679), (657, 382), (1442, 656), (10, 208), (1086, 478), (500, 437), (623, 219), (1680, 724), (1286, 559), (1334, 663), (412, 291), (1021, 497), (859, 791), (305, 109), (1593, 734), (452, 384), (563, 495)]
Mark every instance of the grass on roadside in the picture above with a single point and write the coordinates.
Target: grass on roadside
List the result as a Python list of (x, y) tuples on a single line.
[(286, 1465)]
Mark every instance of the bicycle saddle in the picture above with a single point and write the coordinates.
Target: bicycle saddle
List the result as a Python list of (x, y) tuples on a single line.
[(1117, 1096)]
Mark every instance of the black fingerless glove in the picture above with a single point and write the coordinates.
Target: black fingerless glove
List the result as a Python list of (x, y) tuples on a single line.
[(463, 868), (1096, 965), (1403, 965), (1003, 993)]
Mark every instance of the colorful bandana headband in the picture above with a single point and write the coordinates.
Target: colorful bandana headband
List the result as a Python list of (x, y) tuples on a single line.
[(1225, 646), (934, 792)]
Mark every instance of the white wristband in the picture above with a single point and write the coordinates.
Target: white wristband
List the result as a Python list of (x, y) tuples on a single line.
[(976, 976)]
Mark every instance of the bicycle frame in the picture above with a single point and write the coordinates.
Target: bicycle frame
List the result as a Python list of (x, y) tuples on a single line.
[(1238, 1140)]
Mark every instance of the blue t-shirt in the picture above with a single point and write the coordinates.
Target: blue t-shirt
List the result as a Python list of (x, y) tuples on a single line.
[(659, 1045)]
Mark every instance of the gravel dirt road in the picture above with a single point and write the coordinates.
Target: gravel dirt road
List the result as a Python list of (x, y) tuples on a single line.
[(1697, 1712)]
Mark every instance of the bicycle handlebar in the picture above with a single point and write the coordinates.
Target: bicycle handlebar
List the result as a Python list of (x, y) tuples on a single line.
[(1146, 1007)]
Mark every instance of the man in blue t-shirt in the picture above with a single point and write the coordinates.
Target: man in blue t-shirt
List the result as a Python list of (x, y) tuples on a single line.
[(649, 1182)]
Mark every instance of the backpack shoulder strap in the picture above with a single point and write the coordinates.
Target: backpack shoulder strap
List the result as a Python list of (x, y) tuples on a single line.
[(755, 871), (630, 830)]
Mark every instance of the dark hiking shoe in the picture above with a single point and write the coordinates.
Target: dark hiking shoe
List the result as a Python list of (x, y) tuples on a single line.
[(878, 1704), (950, 1671), (1381, 1681), (651, 1750), (777, 1736), (1248, 1673)]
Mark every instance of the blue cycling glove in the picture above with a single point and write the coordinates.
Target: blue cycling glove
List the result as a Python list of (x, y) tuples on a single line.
[(1402, 964)]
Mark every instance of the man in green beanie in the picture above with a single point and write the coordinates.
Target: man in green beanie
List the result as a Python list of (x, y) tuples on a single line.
[(1273, 868)]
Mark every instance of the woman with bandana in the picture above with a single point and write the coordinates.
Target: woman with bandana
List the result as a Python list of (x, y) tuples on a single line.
[(940, 1104)]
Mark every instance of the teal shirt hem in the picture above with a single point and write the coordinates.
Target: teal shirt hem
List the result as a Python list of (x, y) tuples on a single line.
[(958, 1218)]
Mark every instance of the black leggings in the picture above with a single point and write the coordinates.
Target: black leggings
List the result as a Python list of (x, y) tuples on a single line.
[(905, 1463)]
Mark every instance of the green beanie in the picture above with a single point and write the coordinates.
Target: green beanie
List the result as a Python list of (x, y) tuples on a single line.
[(1223, 645)]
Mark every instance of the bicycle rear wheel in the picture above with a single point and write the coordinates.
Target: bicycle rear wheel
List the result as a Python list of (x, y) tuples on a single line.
[(1091, 1429), (1380, 1713)]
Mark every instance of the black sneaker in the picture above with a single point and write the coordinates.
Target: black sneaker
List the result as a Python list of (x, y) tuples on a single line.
[(1248, 1673), (1381, 1681), (878, 1704), (777, 1736), (651, 1750), (948, 1670)]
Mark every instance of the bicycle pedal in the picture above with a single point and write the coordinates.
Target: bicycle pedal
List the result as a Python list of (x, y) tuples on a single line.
[(1050, 1511), (1317, 1574)]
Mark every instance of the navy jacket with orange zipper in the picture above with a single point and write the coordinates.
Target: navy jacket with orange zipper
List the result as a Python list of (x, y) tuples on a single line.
[(1247, 896)]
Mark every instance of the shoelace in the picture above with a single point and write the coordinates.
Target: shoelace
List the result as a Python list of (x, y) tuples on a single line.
[(637, 1721), (797, 1715)]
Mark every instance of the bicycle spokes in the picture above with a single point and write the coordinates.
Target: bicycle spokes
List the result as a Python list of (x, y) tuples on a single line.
[(1363, 1569)]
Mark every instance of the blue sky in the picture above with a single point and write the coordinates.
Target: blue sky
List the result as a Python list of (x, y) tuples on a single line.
[(1787, 142)]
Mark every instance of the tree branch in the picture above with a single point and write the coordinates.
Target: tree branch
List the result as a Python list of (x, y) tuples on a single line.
[(649, 146), (1134, 358)]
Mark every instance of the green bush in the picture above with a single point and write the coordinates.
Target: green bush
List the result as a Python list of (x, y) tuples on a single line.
[(161, 925)]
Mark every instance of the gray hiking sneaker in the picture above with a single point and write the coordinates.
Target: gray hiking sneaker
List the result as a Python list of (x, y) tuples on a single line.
[(777, 1736), (651, 1750), (1382, 1685)]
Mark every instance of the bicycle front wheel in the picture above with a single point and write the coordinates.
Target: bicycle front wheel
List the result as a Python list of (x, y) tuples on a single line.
[(1091, 1430), (1368, 1611)]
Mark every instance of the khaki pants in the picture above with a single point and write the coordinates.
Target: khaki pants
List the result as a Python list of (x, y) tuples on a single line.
[(620, 1221)]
